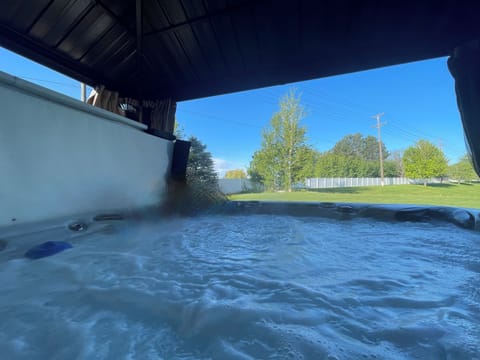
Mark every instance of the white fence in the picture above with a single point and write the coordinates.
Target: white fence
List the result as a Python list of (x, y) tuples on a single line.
[(323, 183), (235, 186)]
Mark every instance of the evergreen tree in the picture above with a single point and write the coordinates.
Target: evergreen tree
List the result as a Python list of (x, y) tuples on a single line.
[(178, 130), (200, 167)]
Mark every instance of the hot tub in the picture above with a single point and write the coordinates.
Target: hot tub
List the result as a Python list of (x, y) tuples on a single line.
[(247, 281)]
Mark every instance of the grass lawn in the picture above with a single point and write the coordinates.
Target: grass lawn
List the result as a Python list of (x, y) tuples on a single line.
[(463, 195)]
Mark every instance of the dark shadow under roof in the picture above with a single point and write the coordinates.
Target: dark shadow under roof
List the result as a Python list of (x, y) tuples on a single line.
[(188, 49)]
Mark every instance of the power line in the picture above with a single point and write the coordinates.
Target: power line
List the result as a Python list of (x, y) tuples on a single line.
[(323, 105), (216, 118), (406, 131), (341, 110), (342, 101)]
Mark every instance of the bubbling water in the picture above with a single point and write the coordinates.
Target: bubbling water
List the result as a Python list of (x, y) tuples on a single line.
[(244, 287)]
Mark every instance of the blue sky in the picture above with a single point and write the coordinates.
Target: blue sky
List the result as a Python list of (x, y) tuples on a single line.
[(418, 100)]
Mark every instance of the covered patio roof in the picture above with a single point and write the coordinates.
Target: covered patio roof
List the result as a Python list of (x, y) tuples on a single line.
[(186, 49)]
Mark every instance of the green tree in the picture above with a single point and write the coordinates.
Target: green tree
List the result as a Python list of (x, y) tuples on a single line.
[(370, 149), (349, 145), (178, 130), (423, 161), (264, 167), (330, 164), (235, 174), (395, 158), (357, 156), (253, 170), (201, 190), (355, 145), (200, 167), (284, 153), (308, 158), (463, 170), (390, 168)]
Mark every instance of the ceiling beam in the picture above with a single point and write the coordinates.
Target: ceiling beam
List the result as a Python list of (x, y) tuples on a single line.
[(206, 17)]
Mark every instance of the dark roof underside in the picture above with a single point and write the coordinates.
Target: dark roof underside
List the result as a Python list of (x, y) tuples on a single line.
[(187, 49)]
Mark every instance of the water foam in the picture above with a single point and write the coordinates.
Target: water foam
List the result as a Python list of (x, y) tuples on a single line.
[(245, 287)]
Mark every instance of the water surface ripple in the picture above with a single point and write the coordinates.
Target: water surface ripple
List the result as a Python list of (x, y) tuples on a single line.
[(245, 287)]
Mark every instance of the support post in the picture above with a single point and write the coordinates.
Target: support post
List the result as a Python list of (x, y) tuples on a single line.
[(83, 92)]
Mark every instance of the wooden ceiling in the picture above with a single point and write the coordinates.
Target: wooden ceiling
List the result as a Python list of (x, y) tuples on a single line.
[(187, 49)]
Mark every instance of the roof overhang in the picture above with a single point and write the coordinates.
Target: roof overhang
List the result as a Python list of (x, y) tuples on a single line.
[(188, 49)]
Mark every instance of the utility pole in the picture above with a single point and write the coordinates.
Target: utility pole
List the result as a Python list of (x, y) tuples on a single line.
[(380, 152)]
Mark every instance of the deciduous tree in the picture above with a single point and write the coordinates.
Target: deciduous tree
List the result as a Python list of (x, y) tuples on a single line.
[(463, 170), (355, 145), (332, 164), (284, 153), (423, 161), (235, 174), (353, 156), (396, 158)]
